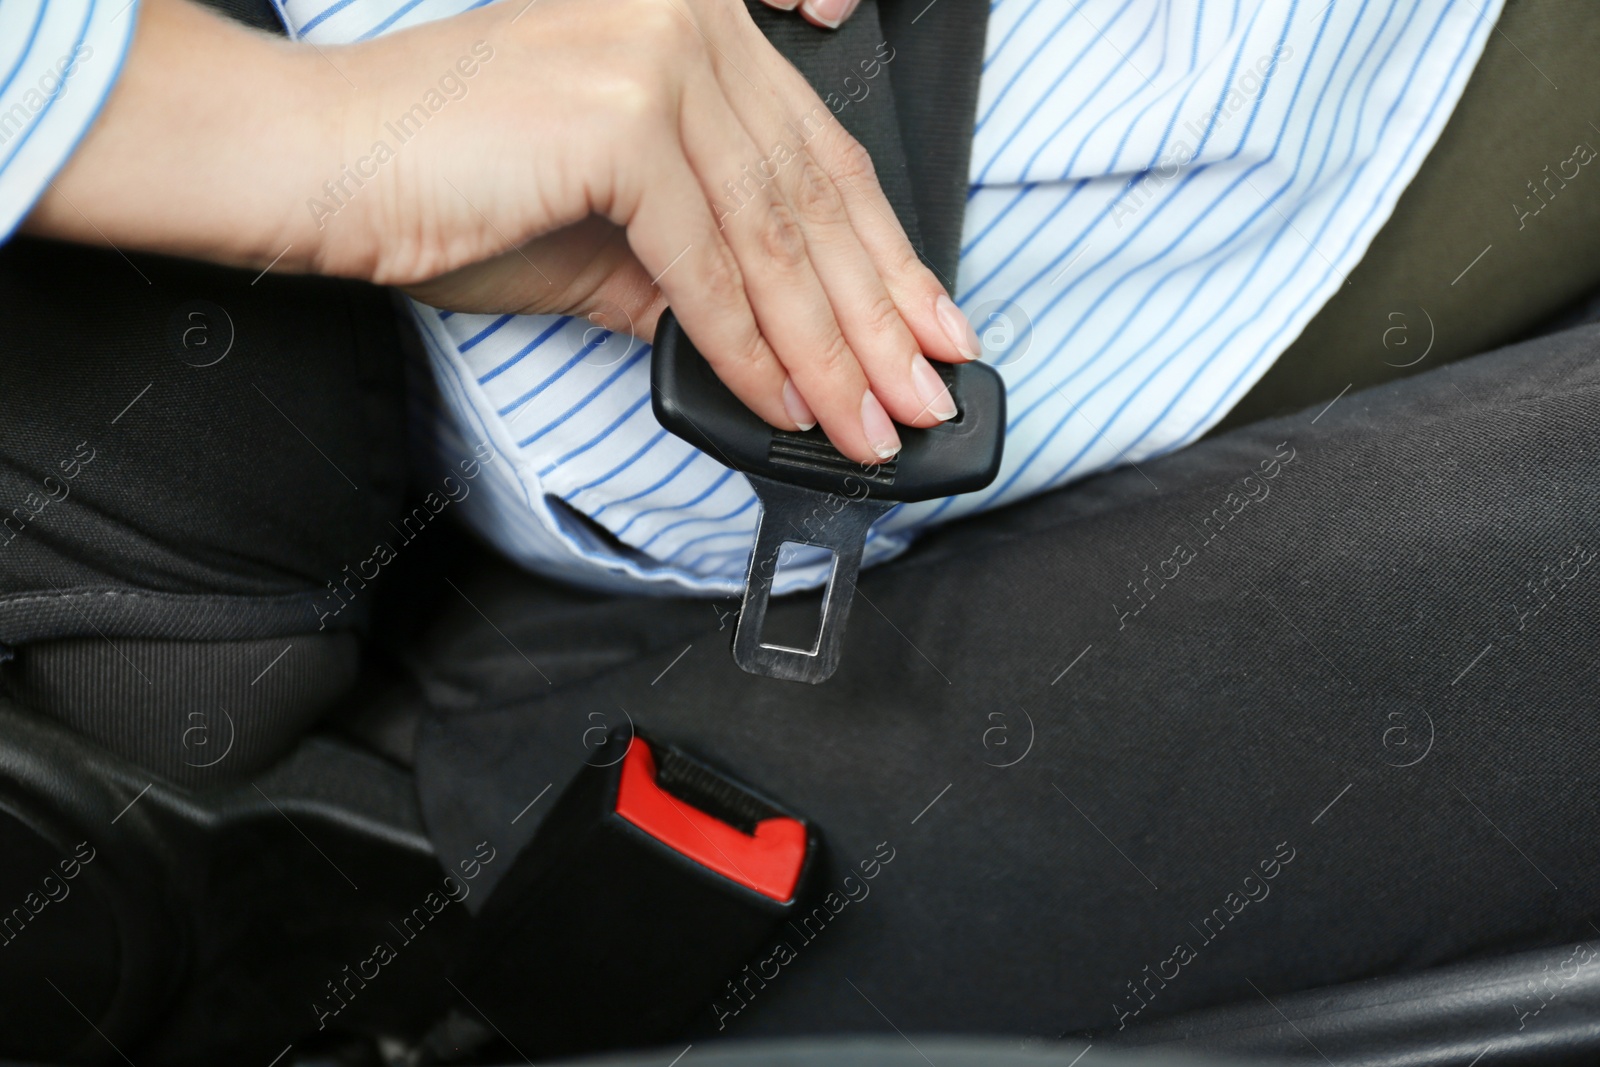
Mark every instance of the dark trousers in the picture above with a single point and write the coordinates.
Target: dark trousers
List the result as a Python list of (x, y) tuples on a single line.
[(190, 457), (1305, 702), (1310, 701)]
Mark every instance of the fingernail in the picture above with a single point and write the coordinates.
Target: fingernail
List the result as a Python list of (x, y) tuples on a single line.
[(931, 389), (829, 12), (957, 328), (796, 406), (881, 437)]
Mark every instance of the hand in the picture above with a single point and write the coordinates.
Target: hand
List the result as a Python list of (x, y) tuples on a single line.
[(663, 153), (828, 13), (588, 156)]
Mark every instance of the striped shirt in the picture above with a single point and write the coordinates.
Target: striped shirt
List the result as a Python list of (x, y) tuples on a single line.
[(1162, 196), (58, 62)]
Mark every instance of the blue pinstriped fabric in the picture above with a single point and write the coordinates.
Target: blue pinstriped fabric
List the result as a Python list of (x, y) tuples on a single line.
[(1162, 196), (58, 62)]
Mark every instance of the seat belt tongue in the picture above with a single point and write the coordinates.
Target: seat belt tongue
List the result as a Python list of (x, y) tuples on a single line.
[(651, 882), (812, 494)]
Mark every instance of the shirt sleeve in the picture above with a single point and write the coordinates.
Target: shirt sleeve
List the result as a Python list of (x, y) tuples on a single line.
[(58, 61)]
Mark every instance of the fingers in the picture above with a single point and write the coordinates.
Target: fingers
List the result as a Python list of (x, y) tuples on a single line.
[(889, 307), (675, 236), (778, 261), (804, 293), (870, 320), (609, 286), (601, 280), (828, 13), (941, 330)]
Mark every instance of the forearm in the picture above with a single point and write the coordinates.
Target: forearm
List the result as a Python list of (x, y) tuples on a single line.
[(207, 147), (229, 146)]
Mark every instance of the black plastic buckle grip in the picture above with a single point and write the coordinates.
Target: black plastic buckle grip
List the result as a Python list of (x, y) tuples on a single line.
[(649, 884)]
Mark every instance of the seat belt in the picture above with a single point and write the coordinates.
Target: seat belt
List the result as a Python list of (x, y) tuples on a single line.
[(898, 73), (596, 937), (654, 878), (924, 93), (939, 46), (926, 96)]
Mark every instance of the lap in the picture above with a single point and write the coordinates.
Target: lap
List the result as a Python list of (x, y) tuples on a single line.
[(195, 460), (1351, 646)]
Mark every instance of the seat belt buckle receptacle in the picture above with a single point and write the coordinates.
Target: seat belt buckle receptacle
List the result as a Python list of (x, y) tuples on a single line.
[(648, 885)]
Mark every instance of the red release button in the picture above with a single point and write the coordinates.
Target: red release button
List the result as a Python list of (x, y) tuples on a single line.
[(768, 862)]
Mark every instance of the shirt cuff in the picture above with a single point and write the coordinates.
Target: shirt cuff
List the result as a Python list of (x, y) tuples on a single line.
[(58, 62)]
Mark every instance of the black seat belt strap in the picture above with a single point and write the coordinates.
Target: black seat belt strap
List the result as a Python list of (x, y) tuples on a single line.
[(938, 48), (607, 931), (899, 75)]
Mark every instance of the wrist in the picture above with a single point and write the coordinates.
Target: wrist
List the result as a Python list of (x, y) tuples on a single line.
[(201, 146), (382, 209)]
